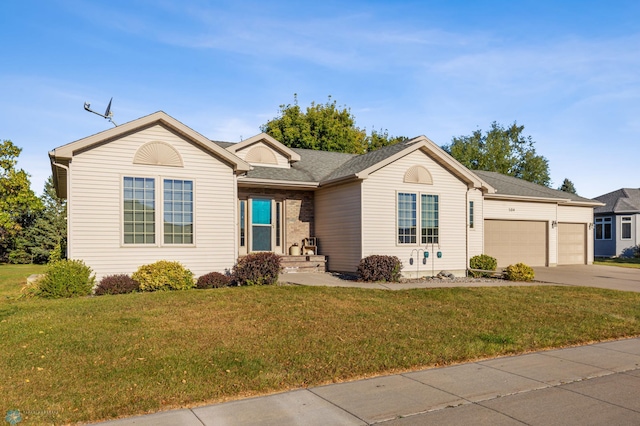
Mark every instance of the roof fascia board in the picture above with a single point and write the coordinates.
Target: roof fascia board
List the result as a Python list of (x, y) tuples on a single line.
[(264, 183), (274, 143), (563, 201)]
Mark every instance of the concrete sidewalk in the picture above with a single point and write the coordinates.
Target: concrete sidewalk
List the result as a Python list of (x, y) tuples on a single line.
[(588, 385)]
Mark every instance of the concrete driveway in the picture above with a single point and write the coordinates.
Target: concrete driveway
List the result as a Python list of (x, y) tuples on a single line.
[(610, 277)]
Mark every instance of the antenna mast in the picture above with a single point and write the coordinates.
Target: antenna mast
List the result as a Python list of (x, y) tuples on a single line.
[(108, 114)]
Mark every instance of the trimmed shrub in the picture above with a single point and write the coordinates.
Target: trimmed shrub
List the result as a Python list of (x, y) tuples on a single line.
[(164, 275), (116, 284), (519, 272), (213, 280), (257, 269), (379, 268), (66, 278), (484, 262)]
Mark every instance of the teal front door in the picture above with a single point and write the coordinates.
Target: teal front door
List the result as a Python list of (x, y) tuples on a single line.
[(261, 224)]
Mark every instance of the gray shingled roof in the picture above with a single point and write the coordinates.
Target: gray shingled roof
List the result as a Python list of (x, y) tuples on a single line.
[(624, 200), (509, 185)]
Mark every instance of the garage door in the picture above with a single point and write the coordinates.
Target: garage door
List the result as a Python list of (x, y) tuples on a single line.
[(572, 249), (514, 241)]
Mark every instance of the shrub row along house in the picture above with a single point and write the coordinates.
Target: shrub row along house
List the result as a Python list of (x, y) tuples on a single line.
[(155, 189)]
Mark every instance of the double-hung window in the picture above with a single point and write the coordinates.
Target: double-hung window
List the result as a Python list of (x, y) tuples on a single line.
[(603, 228), (141, 211), (408, 212), (625, 227)]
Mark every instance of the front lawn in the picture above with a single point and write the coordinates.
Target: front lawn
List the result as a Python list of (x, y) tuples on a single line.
[(624, 262), (97, 358)]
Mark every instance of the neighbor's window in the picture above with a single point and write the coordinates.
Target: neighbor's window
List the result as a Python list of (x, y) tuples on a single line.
[(139, 211), (407, 218), (470, 214), (625, 228), (178, 211), (429, 212), (603, 228)]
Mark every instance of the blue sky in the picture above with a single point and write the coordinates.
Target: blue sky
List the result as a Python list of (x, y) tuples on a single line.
[(566, 70)]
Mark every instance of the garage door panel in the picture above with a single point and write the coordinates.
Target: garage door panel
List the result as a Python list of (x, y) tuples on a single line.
[(572, 243), (514, 241)]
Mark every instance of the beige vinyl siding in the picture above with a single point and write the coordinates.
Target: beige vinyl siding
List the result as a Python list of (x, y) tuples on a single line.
[(380, 224), (583, 215), (338, 226), (283, 162), (527, 211), (476, 242), (96, 206)]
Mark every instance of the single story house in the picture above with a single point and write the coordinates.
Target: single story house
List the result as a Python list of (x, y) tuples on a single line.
[(155, 189), (616, 223)]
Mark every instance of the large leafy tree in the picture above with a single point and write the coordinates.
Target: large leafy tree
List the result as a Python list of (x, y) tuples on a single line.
[(325, 127), (502, 150), (567, 186), (18, 204)]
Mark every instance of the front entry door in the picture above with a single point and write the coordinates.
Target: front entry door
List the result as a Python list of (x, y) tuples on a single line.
[(261, 224)]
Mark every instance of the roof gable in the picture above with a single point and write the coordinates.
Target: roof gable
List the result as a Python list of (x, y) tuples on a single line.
[(291, 155), (66, 152)]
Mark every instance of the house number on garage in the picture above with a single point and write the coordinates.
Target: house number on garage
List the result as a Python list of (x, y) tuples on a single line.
[(512, 209)]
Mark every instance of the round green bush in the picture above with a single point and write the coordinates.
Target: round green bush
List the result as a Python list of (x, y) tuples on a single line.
[(519, 272), (66, 278), (163, 275), (484, 262)]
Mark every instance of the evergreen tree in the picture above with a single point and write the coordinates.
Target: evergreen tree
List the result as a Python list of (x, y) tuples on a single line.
[(567, 186)]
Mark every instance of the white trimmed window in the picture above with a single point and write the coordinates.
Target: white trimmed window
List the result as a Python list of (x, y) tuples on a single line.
[(603, 228), (140, 211), (408, 212), (625, 227)]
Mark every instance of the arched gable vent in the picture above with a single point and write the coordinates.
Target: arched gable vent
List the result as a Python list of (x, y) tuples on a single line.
[(158, 154), (418, 174), (261, 154)]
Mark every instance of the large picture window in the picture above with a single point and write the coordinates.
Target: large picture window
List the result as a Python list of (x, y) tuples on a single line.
[(178, 211), (603, 228), (407, 215), (429, 210), (140, 209)]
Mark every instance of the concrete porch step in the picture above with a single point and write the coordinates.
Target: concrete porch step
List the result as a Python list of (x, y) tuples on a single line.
[(310, 263)]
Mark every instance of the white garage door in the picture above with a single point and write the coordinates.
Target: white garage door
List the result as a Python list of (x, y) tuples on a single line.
[(514, 241), (572, 249)]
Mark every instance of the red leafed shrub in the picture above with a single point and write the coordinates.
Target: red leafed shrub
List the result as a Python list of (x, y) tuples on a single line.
[(380, 268), (257, 269), (213, 280), (116, 284)]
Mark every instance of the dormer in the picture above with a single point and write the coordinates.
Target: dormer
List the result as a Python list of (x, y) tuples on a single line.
[(264, 151)]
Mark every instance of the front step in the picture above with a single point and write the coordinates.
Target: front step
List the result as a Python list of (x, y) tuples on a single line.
[(311, 263)]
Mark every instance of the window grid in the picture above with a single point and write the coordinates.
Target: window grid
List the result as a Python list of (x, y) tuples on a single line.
[(430, 225), (139, 211), (178, 211), (603, 228), (407, 218)]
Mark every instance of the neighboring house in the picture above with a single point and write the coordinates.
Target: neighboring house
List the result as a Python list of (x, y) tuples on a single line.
[(617, 232), (155, 189)]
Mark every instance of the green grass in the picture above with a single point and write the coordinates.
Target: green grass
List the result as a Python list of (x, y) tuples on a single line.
[(97, 358), (619, 261)]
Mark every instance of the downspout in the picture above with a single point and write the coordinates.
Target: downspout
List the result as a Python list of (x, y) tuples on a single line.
[(62, 166)]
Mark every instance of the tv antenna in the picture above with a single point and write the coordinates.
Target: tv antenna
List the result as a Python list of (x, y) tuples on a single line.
[(108, 114)]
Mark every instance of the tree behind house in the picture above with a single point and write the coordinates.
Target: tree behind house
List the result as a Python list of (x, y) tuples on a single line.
[(567, 186)]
